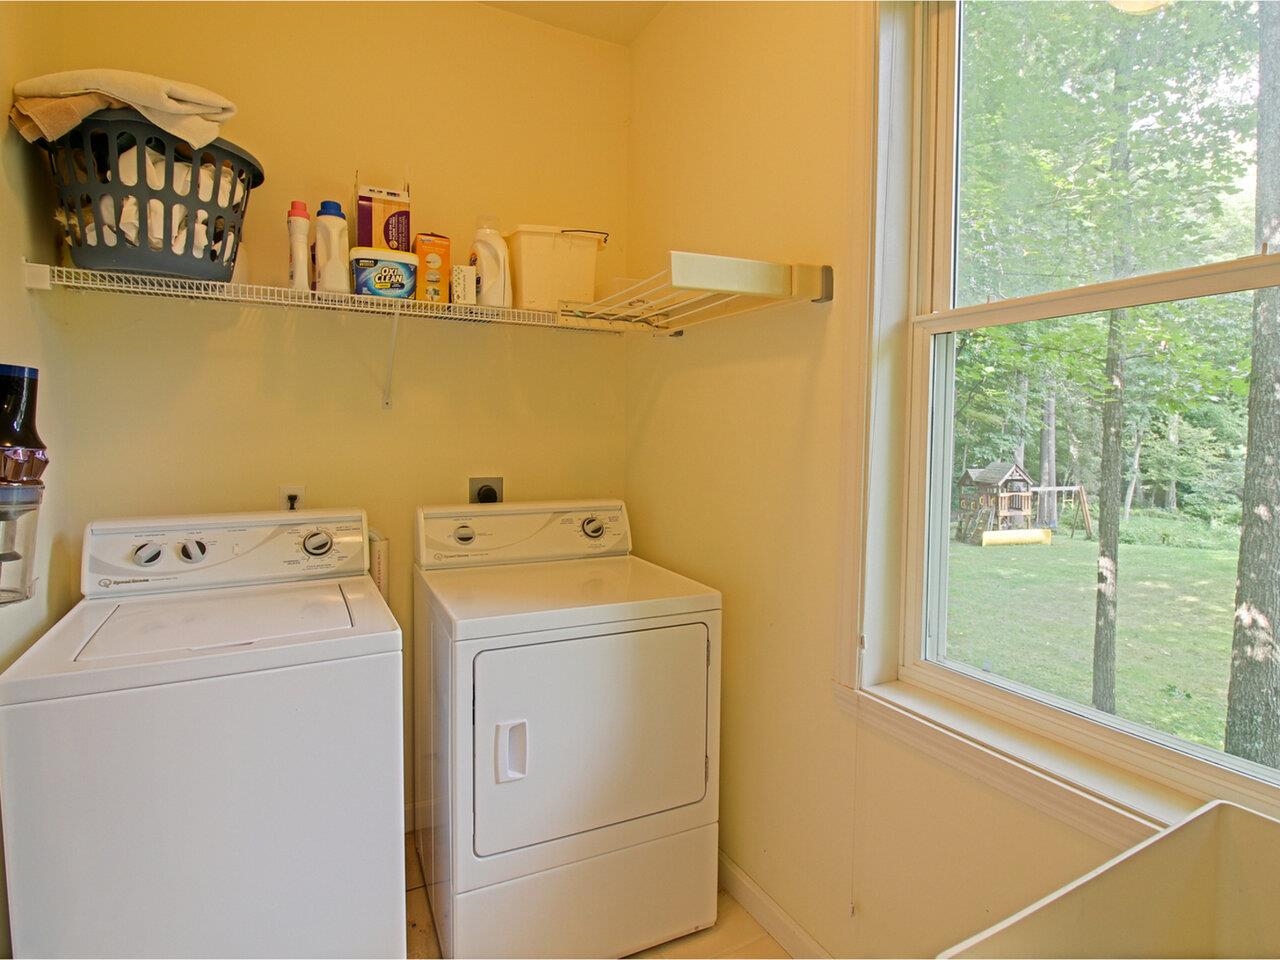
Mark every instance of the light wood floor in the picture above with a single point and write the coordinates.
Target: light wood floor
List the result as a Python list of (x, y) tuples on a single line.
[(422, 932), (735, 933)]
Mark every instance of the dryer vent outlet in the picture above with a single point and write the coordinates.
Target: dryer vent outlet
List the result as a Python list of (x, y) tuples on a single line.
[(484, 490)]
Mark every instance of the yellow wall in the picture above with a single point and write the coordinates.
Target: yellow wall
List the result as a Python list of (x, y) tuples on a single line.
[(752, 135), (729, 128), (939, 855), (747, 141)]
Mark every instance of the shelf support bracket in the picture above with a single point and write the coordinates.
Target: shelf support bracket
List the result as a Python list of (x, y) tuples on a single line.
[(828, 285), (36, 276), (813, 283), (391, 358)]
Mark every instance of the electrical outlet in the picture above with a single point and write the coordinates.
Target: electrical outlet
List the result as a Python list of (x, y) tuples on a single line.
[(484, 490), (295, 490)]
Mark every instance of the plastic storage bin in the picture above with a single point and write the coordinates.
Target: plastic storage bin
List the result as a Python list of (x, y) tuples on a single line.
[(132, 197), (549, 265)]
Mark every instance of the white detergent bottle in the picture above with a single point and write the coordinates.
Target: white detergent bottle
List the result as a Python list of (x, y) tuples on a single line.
[(493, 264), (299, 246), (333, 267)]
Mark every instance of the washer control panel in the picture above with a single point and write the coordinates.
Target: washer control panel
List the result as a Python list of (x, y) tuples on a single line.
[(219, 550), (489, 533)]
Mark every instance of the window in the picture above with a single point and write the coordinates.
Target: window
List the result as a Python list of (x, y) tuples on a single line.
[(1096, 144), (1097, 370)]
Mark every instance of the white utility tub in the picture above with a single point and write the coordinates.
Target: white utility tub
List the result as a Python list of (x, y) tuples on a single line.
[(1205, 887)]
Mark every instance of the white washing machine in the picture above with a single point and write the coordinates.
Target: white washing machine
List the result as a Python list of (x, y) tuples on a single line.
[(203, 758), (567, 704)]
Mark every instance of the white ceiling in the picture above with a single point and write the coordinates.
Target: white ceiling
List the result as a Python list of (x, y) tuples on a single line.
[(619, 21)]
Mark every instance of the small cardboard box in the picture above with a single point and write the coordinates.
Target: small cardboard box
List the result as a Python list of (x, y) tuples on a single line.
[(434, 267), (378, 272), (464, 284), (382, 218)]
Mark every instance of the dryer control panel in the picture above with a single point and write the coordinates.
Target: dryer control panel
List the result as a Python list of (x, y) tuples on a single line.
[(476, 534), (156, 554)]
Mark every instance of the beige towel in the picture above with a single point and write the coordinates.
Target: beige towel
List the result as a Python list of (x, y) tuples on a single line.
[(183, 109), (51, 117)]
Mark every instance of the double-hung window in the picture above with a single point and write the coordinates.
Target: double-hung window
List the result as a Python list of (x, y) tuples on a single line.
[(1094, 501)]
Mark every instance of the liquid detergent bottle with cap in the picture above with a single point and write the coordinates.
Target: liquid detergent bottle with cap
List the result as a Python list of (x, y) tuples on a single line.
[(333, 271), (299, 246), (493, 264)]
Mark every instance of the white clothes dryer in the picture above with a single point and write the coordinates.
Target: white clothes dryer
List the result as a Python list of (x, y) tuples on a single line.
[(203, 757), (566, 733)]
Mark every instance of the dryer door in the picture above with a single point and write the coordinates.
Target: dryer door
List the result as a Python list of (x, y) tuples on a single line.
[(579, 734)]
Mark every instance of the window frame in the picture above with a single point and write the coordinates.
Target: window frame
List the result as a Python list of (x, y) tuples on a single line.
[(1198, 771)]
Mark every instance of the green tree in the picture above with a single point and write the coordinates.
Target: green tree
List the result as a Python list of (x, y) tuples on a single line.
[(1253, 699)]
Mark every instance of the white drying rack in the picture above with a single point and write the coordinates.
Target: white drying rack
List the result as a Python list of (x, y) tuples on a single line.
[(698, 287)]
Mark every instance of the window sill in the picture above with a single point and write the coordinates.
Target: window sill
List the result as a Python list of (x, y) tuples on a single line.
[(1098, 797)]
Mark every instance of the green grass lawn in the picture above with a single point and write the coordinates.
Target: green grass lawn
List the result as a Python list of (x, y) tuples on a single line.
[(1026, 613)]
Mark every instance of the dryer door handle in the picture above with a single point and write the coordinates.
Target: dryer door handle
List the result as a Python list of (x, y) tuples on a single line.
[(512, 750)]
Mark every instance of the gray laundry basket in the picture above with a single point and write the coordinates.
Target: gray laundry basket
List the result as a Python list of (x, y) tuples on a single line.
[(132, 197)]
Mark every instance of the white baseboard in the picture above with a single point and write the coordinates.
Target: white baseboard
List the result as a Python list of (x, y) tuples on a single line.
[(776, 921)]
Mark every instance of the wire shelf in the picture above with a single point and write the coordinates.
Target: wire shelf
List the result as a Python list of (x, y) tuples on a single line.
[(697, 287), (175, 288)]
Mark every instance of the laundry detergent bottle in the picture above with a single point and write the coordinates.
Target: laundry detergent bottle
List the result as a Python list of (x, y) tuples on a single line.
[(299, 246), (493, 264), (333, 267)]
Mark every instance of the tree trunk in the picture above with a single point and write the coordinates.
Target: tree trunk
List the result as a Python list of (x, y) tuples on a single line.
[(1135, 472), (1020, 424), (1253, 695), (1171, 493), (1109, 485), (1073, 457), (1111, 468), (1047, 503)]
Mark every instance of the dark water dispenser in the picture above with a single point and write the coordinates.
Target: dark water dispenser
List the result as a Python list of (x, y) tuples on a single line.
[(23, 457)]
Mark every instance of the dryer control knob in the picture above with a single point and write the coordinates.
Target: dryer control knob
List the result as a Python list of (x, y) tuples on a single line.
[(318, 543), (147, 554), (192, 551), (464, 534), (593, 527)]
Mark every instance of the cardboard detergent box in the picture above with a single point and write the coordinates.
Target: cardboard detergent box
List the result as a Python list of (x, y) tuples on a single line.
[(382, 218), (379, 272), (463, 286), (434, 267)]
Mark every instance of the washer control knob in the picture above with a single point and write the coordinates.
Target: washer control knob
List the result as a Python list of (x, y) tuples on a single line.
[(464, 534), (147, 554), (193, 551), (593, 527), (317, 543)]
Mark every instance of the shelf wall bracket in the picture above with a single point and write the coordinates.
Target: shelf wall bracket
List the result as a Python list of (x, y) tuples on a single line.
[(36, 276), (814, 283)]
